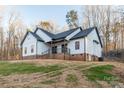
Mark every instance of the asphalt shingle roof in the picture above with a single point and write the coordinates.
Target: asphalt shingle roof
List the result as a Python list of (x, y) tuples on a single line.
[(61, 35), (83, 33), (64, 34)]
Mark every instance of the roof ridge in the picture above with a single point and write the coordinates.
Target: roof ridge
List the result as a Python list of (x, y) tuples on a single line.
[(68, 30), (83, 32)]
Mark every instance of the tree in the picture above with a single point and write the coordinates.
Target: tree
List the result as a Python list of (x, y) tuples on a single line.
[(49, 25), (72, 19), (46, 25), (99, 16), (1, 42), (15, 33), (1, 32), (121, 12)]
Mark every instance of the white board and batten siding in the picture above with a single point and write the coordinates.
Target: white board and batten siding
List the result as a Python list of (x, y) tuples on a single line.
[(71, 46), (41, 48), (91, 47), (28, 42), (42, 35)]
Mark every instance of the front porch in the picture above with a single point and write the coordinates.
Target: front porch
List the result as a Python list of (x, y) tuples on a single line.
[(57, 52), (57, 47)]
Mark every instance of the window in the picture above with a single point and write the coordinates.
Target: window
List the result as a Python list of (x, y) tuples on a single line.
[(77, 45), (54, 49), (25, 50), (32, 48), (64, 48)]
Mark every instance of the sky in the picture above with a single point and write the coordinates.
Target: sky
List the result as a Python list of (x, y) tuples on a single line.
[(34, 13)]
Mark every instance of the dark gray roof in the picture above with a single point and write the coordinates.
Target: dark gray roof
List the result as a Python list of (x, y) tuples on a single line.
[(83, 33), (62, 35)]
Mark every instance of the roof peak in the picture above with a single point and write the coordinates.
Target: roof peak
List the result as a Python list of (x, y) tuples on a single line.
[(59, 32)]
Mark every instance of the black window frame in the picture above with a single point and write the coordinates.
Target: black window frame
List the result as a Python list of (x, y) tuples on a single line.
[(54, 50), (25, 50), (77, 45), (32, 48)]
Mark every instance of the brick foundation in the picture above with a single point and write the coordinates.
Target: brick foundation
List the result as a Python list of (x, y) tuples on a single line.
[(78, 57), (29, 57), (61, 56)]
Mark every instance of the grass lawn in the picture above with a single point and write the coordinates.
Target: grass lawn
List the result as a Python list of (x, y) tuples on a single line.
[(24, 68), (59, 74), (71, 78), (100, 73)]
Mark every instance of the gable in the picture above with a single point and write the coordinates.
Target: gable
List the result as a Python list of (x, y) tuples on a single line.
[(86, 32), (44, 35), (34, 36), (28, 37), (64, 34), (95, 36)]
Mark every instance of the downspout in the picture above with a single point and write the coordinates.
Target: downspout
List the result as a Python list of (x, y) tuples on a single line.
[(69, 50), (36, 49), (85, 59), (51, 54), (64, 49)]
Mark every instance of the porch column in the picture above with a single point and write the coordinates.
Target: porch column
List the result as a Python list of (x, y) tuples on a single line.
[(64, 49)]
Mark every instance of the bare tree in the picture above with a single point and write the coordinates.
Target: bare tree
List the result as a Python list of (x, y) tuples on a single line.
[(1, 42), (49, 25), (99, 16), (15, 34), (1, 32)]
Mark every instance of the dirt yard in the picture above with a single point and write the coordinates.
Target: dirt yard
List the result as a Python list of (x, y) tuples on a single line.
[(71, 76)]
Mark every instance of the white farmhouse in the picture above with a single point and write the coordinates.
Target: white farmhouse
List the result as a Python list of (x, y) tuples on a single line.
[(74, 44)]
